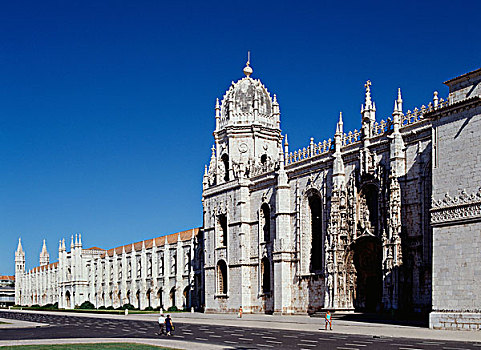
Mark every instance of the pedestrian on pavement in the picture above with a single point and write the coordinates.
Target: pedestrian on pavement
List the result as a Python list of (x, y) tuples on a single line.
[(161, 324), (169, 326), (328, 319)]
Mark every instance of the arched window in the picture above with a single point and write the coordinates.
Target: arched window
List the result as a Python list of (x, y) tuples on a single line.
[(129, 268), (266, 222), (187, 260), (159, 296), (172, 296), (148, 297), (315, 206), (160, 257), (139, 266), (225, 161), (173, 257), (266, 275), (149, 265), (222, 220), (186, 295), (119, 261), (137, 297), (221, 277), (67, 299)]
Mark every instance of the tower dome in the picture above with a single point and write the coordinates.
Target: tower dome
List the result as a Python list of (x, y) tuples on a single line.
[(248, 101)]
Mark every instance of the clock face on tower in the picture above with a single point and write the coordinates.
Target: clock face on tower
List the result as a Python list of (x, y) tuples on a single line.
[(243, 148)]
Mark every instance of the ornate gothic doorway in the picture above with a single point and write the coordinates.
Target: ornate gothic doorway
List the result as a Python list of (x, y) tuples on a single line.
[(367, 259)]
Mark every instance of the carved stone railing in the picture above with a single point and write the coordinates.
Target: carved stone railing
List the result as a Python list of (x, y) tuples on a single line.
[(417, 115), (314, 149), (259, 169), (381, 127), (244, 117), (351, 137)]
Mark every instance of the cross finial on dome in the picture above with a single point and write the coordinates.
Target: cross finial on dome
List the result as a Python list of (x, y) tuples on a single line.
[(248, 69)]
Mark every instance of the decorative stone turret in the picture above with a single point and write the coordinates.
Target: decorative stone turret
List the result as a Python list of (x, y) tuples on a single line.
[(19, 253), (286, 149), (338, 174), (338, 294), (44, 256), (397, 153), (19, 271), (368, 111)]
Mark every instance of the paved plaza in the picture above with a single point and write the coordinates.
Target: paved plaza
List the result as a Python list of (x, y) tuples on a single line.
[(226, 331)]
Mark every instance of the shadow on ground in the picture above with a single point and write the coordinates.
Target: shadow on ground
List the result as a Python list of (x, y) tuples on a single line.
[(414, 320)]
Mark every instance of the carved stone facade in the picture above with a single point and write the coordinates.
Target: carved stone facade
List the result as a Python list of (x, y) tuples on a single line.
[(369, 220), (161, 272), (349, 217)]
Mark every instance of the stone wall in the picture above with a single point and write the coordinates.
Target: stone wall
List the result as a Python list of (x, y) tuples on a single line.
[(457, 267), (456, 207), (463, 321)]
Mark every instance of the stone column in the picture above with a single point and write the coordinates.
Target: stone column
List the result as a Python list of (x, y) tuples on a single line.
[(244, 211), (283, 244)]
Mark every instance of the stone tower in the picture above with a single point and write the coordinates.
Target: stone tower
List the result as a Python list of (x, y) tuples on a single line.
[(19, 271), (248, 143)]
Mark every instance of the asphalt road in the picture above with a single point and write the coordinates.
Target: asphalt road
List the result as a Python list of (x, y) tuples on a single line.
[(237, 337)]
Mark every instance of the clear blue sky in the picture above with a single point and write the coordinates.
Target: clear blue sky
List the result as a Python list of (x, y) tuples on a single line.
[(107, 107)]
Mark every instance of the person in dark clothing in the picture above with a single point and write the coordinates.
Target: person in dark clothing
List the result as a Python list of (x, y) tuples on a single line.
[(169, 326)]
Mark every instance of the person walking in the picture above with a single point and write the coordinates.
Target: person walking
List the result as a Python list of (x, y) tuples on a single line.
[(328, 319), (169, 326), (161, 324)]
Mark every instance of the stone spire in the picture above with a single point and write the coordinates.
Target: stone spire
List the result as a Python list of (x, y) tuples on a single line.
[(19, 248), (19, 257), (80, 240), (399, 101), (338, 174), (44, 256), (217, 114), (71, 243), (397, 155), (212, 170), (205, 180), (368, 111), (276, 112)]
